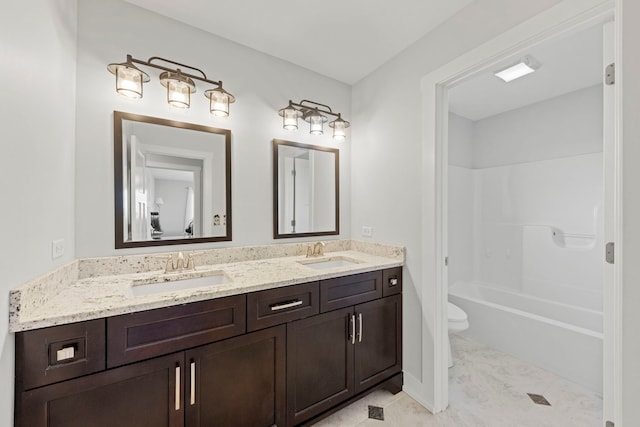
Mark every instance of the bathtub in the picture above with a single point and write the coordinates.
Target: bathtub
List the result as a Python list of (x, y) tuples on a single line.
[(560, 338)]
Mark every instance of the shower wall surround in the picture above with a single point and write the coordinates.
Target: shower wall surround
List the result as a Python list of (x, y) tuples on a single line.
[(534, 213)]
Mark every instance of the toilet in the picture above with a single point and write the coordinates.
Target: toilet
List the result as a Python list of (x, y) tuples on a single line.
[(457, 323)]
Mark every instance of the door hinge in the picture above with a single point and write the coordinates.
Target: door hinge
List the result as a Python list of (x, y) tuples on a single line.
[(610, 74), (610, 252), (446, 261)]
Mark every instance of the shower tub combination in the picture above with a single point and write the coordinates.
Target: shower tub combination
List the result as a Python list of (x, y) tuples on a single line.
[(558, 337)]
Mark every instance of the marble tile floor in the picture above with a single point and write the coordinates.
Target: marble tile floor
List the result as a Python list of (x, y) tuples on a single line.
[(486, 389)]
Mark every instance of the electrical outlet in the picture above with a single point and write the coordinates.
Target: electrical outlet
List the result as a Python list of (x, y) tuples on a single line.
[(57, 248), (367, 231)]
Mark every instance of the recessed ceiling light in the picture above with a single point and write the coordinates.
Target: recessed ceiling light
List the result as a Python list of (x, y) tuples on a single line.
[(526, 65)]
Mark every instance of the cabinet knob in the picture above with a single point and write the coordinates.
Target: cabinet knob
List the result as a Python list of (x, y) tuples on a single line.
[(393, 281)]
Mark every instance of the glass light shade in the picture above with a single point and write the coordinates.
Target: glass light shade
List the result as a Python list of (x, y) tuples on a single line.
[(179, 88), (219, 100), (290, 118), (339, 128), (129, 82), (129, 79), (316, 122), (219, 104), (178, 94)]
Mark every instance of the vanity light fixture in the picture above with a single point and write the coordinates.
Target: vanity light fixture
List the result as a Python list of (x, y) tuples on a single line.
[(313, 113), (180, 85), (526, 65)]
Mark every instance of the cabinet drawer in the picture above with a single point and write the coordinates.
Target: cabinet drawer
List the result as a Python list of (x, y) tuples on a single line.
[(281, 305), (350, 290), (392, 281), (45, 356), (147, 334)]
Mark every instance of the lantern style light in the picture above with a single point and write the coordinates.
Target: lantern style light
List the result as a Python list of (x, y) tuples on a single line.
[(316, 122), (179, 88), (219, 100), (290, 117), (129, 78), (315, 114), (339, 128), (180, 85)]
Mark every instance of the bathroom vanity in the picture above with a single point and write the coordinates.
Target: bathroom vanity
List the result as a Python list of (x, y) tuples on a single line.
[(283, 351)]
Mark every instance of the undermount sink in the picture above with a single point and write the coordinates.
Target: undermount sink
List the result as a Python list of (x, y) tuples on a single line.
[(168, 285), (331, 262)]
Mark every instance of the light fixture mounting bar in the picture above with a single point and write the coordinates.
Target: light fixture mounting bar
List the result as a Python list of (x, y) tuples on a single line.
[(148, 63), (326, 109)]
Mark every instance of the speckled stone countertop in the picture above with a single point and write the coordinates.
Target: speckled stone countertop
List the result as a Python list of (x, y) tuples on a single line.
[(93, 288)]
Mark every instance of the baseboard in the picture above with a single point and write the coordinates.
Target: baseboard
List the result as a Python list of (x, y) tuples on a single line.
[(413, 387)]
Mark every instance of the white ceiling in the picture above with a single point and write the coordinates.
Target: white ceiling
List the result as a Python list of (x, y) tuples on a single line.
[(342, 39), (569, 64)]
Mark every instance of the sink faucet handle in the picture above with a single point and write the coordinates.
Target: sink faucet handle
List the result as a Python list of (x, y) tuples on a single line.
[(169, 262), (190, 264), (180, 261), (318, 248)]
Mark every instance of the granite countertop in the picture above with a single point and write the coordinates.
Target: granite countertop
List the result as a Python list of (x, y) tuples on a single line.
[(93, 288)]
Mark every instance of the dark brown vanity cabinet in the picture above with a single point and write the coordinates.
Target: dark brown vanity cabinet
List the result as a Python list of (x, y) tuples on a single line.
[(341, 353), (278, 357)]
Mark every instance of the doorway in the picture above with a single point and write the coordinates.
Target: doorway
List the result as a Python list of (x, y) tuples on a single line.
[(525, 224), (436, 86)]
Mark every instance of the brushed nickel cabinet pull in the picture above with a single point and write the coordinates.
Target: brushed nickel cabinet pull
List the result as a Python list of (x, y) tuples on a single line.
[(359, 327), (287, 304), (192, 399), (353, 329), (177, 395)]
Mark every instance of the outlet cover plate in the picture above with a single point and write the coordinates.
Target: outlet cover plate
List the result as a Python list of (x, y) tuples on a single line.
[(57, 248)]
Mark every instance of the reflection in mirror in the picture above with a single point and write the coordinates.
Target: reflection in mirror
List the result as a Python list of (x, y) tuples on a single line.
[(172, 182), (305, 190)]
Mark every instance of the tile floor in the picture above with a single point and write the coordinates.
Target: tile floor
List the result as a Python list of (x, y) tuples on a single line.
[(486, 389)]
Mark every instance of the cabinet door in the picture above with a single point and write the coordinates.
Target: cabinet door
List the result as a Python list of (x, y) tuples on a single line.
[(378, 349), (143, 394), (319, 364), (238, 382)]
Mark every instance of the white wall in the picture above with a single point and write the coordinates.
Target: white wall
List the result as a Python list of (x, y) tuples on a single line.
[(536, 132), (461, 140), (37, 117), (110, 29), (460, 220)]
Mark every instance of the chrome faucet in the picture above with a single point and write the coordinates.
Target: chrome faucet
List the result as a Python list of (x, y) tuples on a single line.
[(317, 249), (180, 264)]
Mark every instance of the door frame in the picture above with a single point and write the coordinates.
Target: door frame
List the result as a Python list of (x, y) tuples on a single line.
[(565, 18)]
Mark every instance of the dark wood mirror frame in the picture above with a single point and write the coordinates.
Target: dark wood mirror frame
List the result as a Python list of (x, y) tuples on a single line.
[(120, 243), (276, 211)]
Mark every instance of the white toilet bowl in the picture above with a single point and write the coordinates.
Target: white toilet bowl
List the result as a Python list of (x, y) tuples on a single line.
[(458, 322)]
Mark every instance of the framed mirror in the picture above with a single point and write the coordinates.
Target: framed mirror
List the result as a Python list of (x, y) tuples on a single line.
[(306, 189), (172, 182)]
